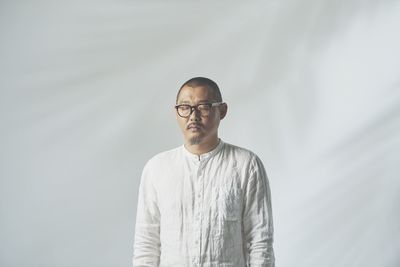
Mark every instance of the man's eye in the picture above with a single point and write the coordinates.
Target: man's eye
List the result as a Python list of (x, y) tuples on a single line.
[(184, 107)]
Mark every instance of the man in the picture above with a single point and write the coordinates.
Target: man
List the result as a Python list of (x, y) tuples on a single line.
[(207, 202)]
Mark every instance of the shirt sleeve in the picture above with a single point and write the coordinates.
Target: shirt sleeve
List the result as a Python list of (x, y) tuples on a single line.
[(147, 231), (257, 219)]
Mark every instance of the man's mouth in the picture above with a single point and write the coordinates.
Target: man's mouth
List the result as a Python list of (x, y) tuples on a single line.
[(193, 126)]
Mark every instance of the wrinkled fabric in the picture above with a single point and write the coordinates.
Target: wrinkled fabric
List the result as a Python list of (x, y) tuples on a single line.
[(207, 210)]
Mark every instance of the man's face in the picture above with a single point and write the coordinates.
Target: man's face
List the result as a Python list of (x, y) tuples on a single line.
[(199, 129)]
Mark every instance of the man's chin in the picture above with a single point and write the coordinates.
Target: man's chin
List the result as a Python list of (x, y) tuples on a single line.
[(195, 140)]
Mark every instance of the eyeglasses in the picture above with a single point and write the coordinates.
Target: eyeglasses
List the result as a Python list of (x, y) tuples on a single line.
[(185, 110)]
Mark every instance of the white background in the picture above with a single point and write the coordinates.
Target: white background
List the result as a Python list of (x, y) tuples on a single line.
[(87, 90)]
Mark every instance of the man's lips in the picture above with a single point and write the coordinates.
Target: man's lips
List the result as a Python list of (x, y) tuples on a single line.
[(194, 126)]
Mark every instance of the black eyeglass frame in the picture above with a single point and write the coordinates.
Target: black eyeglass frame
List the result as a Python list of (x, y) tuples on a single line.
[(214, 104)]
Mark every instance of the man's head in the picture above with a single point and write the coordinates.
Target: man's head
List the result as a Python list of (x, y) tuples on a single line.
[(202, 82), (201, 125)]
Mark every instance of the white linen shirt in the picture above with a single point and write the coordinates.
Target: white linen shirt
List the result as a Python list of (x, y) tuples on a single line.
[(208, 210)]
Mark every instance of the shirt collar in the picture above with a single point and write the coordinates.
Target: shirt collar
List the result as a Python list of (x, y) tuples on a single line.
[(204, 155)]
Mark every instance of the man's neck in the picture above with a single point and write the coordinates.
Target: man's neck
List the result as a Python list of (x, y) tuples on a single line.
[(203, 147)]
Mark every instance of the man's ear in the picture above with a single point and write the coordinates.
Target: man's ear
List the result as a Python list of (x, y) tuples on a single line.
[(223, 109)]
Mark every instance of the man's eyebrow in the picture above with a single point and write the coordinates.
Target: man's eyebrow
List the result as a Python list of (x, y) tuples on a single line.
[(188, 102)]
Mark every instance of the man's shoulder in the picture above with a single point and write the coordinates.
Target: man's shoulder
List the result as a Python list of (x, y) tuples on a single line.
[(239, 151), (165, 157), (245, 158)]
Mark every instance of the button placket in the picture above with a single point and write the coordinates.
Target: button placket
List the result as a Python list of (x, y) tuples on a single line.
[(200, 208)]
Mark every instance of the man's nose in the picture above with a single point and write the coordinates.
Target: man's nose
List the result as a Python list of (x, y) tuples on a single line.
[(195, 115)]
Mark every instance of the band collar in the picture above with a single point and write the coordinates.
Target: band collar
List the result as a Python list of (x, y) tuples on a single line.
[(204, 155)]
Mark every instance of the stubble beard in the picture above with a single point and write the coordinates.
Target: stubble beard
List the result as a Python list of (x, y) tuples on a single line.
[(195, 140)]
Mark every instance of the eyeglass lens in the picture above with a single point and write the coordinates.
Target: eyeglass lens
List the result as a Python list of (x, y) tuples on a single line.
[(186, 110)]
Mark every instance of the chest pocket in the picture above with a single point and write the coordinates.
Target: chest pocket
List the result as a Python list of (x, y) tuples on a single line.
[(229, 201), (227, 238)]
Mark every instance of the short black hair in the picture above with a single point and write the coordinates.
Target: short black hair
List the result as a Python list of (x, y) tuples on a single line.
[(202, 81)]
